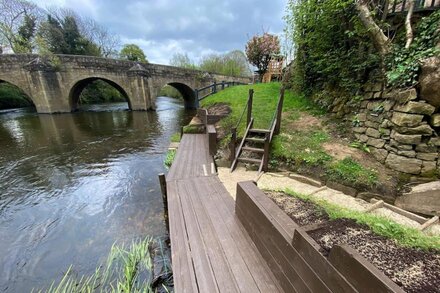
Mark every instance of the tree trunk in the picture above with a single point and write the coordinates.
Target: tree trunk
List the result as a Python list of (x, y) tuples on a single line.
[(408, 27), (380, 40)]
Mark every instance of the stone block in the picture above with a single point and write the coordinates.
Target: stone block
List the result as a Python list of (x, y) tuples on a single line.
[(428, 168), (400, 146), (406, 138), (404, 96), (388, 105), (375, 117), (372, 132), (423, 198), (435, 120), (416, 108), (362, 117), (409, 120), (386, 123), (423, 129), (342, 188), (372, 124), (424, 148), (384, 131), (408, 154), (379, 154), (359, 129), (363, 138), (404, 164), (376, 142), (435, 141), (427, 156)]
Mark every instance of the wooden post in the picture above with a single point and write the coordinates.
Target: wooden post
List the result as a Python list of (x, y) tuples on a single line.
[(214, 88), (279, 111), (232, 144), (266, 152), (223, 85), (249, 107), (181, 132), (163, 188)]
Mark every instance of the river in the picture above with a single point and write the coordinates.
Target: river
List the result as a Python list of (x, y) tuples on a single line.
[(71, 185)]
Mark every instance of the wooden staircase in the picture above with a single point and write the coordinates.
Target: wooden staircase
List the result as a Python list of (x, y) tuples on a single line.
[(254, 147)]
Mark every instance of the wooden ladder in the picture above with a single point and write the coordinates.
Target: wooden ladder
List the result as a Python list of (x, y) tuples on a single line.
[(255, 146)]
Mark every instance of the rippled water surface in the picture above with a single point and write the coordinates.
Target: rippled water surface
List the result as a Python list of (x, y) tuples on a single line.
[(71, 185)]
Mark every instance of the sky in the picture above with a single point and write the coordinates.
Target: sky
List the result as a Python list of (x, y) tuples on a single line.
[(164, 27)]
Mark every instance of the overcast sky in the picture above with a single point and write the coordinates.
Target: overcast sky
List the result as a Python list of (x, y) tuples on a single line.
[(163, 27)]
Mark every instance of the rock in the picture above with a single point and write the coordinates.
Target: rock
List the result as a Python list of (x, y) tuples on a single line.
[(409, 154), (404, 96), (424, 148), (375, 118), (372, 132), (379, 154), (404, 164), (428, 168), (305, 180), (406, 138), (384, 131), (367, 196), (429, 81), (435, 120), (416, 108), (376, 142), (427, 156), (372, 124), (399, 146), (342, 188), (359, 129), (423, 198), (435, 141), (388, 105), (409, 120), (363, 138), (362, 117), (386, 123), (423, 129)]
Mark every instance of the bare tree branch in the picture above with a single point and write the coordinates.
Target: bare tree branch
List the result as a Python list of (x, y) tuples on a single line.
[(408, 27)]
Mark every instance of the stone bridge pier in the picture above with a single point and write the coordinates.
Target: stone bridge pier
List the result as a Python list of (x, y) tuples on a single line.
[(54, 84)]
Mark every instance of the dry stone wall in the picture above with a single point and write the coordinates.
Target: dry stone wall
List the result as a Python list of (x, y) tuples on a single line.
[(400, 129)]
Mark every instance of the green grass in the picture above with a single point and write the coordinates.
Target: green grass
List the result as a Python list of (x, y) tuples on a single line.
[(175, 137), (301, 147), (194, 129), (405, 236), (169, 158), (351, 172), (127, 269)]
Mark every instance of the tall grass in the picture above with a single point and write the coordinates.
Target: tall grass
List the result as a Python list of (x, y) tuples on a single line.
[(126, 270)]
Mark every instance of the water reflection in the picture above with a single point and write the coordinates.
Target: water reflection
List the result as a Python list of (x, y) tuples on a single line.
[(73, 184)]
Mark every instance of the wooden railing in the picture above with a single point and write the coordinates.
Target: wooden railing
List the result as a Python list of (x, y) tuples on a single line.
[(213, 88), (392, 7)]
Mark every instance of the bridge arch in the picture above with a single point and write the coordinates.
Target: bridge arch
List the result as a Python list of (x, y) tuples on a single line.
[(25, 93), (80, 85), (187, 93)]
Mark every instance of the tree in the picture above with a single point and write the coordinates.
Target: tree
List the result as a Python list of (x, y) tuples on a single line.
[(26, 32), (182, 60), (132, 52), (259, 50)]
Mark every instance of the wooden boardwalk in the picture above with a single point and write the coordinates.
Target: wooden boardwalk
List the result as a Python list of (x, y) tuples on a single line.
[(211, 250)]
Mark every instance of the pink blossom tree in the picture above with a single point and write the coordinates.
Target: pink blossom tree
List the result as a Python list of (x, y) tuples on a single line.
[(259, 50)]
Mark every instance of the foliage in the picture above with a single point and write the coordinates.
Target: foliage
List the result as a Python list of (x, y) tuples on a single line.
[(26, 32), (12, 97), (259, 50), (182, 60), (126, 270), (175, 137), (233, 63), (405, 236), (100, 92), (194, 129), (132, 52), (169, 91), (169, 158), (403, 65), (351, 172), (333, 51)]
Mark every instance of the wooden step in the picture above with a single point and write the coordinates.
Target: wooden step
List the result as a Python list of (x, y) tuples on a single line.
[(249, 160), (256, 130), (254, 150), (253, 139)]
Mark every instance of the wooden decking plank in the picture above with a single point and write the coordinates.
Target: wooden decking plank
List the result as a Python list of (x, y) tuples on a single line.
[(184, 279), (222, 271), (257, 265), (202, 265), (227, 225)]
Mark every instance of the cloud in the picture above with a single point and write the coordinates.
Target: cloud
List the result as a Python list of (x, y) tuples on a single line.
[(163, 27)]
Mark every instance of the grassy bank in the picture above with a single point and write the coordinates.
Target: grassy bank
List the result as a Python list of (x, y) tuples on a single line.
[(12, 97), (306, 141)]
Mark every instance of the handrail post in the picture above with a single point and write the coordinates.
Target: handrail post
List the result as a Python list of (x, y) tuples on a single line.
[(279, 112), (266, 152), (214, 88), (223, 84), (249, 106), (233, 144), (163, 188)]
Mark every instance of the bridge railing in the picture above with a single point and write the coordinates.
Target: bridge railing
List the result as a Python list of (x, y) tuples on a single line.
[(393, 7), (202, 93)]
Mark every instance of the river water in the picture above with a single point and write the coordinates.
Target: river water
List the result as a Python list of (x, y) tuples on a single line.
[(71, 185)]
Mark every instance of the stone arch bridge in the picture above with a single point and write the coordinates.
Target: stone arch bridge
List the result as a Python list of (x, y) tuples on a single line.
[(54, 84)]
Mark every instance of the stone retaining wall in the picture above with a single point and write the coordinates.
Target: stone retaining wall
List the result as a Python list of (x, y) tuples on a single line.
[(400, 129)]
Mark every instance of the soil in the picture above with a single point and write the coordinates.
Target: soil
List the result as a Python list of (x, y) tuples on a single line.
[(301, 211), (413, 270), (219, 109)]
